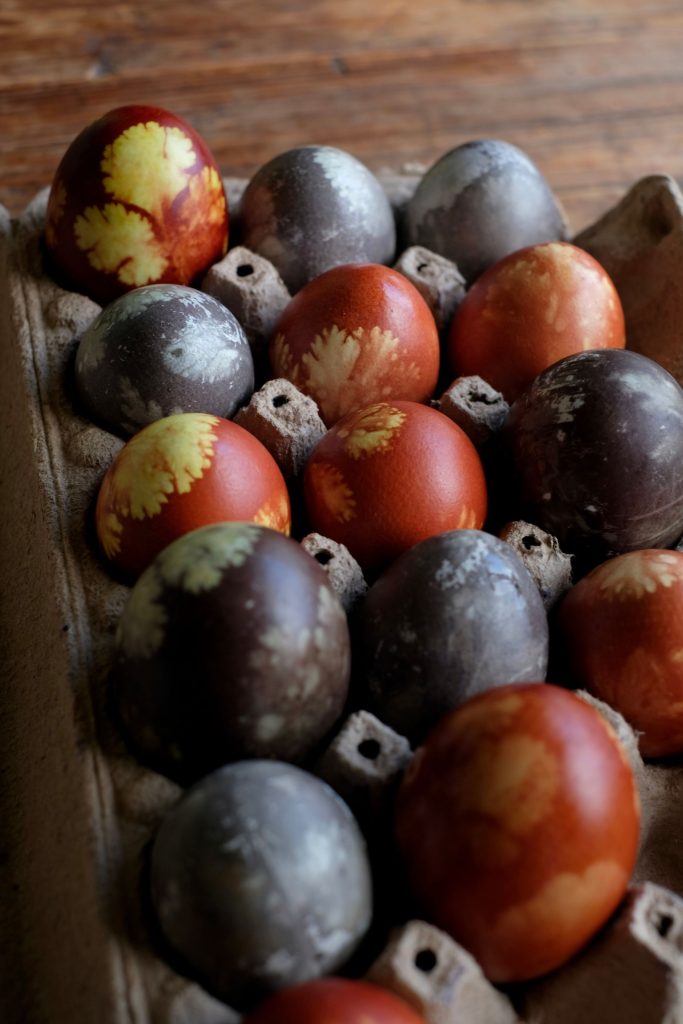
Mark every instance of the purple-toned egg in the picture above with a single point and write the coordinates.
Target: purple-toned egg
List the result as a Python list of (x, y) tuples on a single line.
[(161, 350), (313, 208), (232, 645)]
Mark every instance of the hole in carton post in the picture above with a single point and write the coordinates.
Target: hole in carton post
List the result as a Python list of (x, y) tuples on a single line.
[(664, 925), (279, 400), (369, 749), (421, 267), (425, 960), (245, 270), (530, 542), (324, 556)]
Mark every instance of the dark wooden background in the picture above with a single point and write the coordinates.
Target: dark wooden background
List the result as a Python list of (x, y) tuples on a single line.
[(593, 91)]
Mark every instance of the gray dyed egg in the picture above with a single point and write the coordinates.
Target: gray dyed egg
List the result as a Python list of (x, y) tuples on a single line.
[(455, 615), (481, 201), (313, 208), (160, 350), (260, 879)]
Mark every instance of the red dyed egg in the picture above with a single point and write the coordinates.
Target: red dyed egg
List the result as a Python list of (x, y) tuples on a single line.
[(530, 309), (137, 199), (179, 473), (622, 626), (389, 475), (518, 822), (334, 1001), (356, 335)]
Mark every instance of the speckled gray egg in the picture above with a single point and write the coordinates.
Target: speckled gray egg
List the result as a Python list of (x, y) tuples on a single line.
[(313, 208), (481, 201), (456, 614), (160, 350), (260, 879), (232, 644)]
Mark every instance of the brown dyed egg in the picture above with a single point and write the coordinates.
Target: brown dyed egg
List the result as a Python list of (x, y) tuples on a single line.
[(313, 208), (357, 335), (260, 879), (455, 615), (518, 824), (161, 350), (623, 635), (137, 199), (334, 1001), (597, 443), (232, 644), (389, 475), (179, 473), (481, 201)]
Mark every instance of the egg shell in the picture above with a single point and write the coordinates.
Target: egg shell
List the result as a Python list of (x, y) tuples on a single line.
[(455, 615), (597, 444), (232, 644), (356, 335), (260, 879), (620, 629), (316, 207), (160, 350), (179, 473), (390, 475), (479, 202), (111, 228), (334, 1001)]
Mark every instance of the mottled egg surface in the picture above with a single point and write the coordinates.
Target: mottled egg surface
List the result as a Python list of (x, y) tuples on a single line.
[(455, 615), (233, 644), (313, 208), (160, 350), (481, 201), (260, 879), (112, 226)]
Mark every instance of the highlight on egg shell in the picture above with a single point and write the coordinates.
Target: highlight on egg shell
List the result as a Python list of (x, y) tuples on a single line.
[(518, 825), (334, 1001), (137, 199), (179, 473), (356, 335), (389, 475)]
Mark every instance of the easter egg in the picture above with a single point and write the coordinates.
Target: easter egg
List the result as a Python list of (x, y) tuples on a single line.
[(357, 335), (389, 475), (160, 350), (179, 473), (334, 1001), (136, 199), (316, 207), (232, 644)]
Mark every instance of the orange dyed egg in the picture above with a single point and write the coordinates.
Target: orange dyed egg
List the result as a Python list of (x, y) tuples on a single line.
[(530, 309), (137, 199), (334, 1001), (179, 473), (518, 823), (356, 335), (622, 626), (391, 474)]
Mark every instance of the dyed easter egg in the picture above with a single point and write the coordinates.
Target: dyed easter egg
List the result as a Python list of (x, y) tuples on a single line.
[(518, 824), (260, 879), (160, 350), (357, 335), (137, 199), (179, 473), (334, 1001), (390, 475), (481, 201), (232, 644), (313, 208)]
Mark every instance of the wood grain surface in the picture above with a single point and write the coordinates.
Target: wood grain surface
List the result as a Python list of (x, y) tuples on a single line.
[(593, 91)]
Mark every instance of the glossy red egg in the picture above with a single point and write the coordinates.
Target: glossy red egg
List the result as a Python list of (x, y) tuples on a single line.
[(530, 309), (518, 824), (357, 335), (137, 199), (334, 1001), (179, 473), (622, 627), (389, 475)]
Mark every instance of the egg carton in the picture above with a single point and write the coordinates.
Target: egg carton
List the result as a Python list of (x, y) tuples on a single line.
[(79, 812)]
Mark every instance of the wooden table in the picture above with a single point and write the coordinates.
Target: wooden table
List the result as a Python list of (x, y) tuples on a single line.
[(591, 90)]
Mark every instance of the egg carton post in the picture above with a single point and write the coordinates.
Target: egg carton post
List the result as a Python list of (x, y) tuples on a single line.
[(80, 812)]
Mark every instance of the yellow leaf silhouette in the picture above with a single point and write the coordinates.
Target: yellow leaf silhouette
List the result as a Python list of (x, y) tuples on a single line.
[(120, 240), (638, 573), (372, 429), (329, 484), (275, 515), (132, 163)]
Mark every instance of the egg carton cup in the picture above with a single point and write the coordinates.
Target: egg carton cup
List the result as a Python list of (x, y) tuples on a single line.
[(78, 812)]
